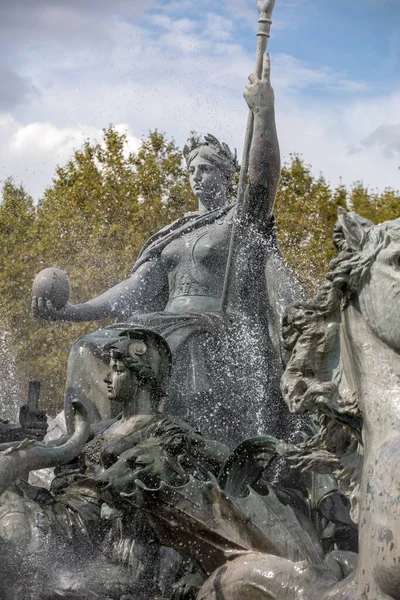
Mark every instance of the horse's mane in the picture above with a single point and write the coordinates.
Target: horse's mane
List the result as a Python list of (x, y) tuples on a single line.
[(314, 380)]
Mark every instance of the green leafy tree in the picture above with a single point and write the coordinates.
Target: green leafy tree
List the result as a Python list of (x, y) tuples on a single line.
[(306, 210), (17, 262), (375, 206), (17, 220)]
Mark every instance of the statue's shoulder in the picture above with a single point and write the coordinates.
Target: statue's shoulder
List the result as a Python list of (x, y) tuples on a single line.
[(191, 220)]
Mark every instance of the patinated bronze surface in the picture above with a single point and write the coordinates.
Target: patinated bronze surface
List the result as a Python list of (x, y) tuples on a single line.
[(142, 497), (253, 538)]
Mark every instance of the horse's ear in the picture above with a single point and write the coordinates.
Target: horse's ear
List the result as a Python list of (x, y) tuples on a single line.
[(353, 228)]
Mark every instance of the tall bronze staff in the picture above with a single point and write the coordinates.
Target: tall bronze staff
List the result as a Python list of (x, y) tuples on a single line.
[(265, 8)]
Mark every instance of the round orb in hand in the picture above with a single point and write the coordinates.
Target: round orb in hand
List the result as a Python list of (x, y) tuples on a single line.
[(52, 284)]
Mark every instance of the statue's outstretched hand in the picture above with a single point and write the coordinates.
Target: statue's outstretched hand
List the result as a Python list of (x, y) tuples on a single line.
[(44, 309), (259, 94)]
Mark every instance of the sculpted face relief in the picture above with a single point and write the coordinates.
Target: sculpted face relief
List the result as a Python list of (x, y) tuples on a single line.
[(208, 182), (121, 382)]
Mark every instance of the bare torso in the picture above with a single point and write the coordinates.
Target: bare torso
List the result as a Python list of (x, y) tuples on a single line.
[(195, 265)]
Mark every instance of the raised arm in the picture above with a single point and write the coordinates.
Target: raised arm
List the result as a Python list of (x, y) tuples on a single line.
[(255, 206), (145, 291), (264, 161)]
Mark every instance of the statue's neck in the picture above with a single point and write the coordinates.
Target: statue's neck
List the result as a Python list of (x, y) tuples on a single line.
[(141, 404), (212, 205)]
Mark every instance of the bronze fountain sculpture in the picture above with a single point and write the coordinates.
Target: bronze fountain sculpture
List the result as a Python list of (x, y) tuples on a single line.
[(261, 544), (137, 476), (80, 515)]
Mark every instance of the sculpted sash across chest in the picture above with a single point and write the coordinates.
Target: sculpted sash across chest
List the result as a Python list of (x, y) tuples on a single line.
[(196, 261)]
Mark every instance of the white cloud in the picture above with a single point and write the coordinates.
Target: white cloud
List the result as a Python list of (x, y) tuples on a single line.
[(30, 153), (43, 21), (386, 137), (218, 28), (177, 77), (324, 135), (291, 73)]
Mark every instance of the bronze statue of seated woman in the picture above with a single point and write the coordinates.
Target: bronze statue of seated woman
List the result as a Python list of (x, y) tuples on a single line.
[(176, 287)]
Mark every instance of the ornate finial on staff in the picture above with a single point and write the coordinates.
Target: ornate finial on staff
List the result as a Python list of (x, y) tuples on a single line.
[(265, 8)]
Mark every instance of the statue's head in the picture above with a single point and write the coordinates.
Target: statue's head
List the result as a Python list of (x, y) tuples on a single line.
[(138, 357), (212, 167)]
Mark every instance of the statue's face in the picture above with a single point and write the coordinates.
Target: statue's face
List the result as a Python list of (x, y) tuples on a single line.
[(208, 182), (121, 382)]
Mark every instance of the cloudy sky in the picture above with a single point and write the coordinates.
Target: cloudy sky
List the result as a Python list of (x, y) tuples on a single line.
[(69, 68)]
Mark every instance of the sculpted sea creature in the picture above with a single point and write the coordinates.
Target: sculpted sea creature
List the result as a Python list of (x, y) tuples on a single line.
[(345, 366)]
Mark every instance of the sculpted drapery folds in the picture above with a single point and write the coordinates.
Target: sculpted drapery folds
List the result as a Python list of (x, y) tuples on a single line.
[(344, 369)]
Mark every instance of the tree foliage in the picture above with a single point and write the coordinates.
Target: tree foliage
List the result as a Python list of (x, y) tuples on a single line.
[(100, 208), (306, 211)]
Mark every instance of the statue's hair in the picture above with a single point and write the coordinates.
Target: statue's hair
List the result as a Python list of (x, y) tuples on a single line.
[(218, 153), (314, 380)]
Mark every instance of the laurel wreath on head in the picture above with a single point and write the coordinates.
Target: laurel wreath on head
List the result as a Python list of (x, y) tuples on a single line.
[(220, 149)]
